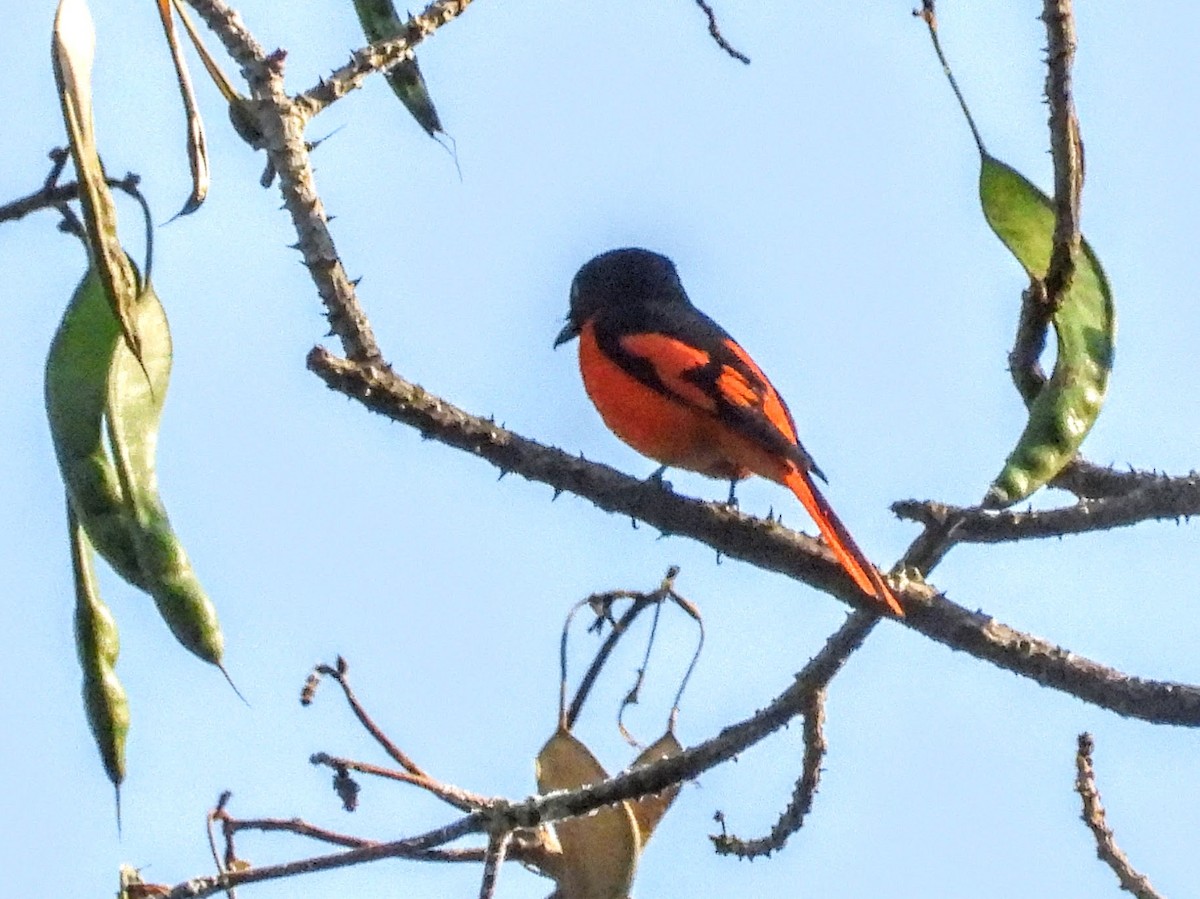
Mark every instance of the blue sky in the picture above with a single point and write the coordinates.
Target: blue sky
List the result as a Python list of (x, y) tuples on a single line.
[(821, 204)]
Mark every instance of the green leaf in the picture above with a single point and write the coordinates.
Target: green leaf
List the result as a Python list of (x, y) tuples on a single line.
[(380, 23), (1063, 412)]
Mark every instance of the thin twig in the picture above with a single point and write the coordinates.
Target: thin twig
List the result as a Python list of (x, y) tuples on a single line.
[(1066, 148), (52, 196), (715, 31), (451, 795), (1161, 500), (792, 818), (1093, 816), (339, 673), (304, 829), (641, 602), (496, 851), (534, 812), (300, 828)]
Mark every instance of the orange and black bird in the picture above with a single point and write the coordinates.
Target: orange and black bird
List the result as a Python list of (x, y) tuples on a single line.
[(671, 383)]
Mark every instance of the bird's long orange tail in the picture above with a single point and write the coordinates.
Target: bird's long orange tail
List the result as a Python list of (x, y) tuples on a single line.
[(857, 565)]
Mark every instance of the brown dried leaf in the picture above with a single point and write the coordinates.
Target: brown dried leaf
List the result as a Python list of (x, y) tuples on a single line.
[(648, 810), (600, 850)]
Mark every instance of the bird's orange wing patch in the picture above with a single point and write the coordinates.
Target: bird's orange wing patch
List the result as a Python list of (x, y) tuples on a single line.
[(672, 360), (760, 392)]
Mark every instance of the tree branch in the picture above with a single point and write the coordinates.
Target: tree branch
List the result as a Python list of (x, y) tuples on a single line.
[(805, 792), (1161, 499), (1093, 816), (379, 57), (765, 544), (1066, 147), (504, 817)]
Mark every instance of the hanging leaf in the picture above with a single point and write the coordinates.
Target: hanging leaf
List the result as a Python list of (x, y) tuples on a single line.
[(241, 116), (1065, 409), (599, 850), (648, 810), (380, 23), (197, 146), (73, 51)]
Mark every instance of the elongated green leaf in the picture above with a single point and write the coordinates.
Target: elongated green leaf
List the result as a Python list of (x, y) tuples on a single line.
[(379, 23), (98, 646), (136, 393), (73, 51), (1085, 324), (76, 390)]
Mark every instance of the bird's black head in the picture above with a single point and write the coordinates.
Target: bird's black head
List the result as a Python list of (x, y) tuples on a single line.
[(621, 280)]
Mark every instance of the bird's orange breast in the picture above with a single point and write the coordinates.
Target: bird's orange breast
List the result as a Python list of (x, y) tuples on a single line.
[(680, 434)]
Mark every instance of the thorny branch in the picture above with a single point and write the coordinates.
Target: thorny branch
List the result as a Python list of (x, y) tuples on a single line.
[(1160, 499), (1040, 301), (502, 816), (803, 796), (1093, 816), (1066, 147), (364, 376), (765, 544)]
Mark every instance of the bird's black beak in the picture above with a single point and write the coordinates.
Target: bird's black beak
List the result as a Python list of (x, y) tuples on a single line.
[(569, 332)]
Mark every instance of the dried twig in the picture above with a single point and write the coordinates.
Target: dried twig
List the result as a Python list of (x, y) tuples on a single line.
[(53, 196), (532, 813), (715, 31), (496, 851), (805, 792), (1093, 816), (339, 673)]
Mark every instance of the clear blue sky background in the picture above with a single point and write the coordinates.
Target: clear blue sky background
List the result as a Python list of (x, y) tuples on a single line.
[(821, 204)]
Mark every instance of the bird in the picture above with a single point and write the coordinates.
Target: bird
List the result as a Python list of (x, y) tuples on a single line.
[(674, 385)]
